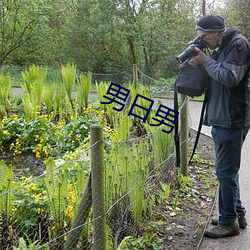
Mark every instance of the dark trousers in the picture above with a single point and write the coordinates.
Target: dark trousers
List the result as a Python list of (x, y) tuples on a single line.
[(228, 145)]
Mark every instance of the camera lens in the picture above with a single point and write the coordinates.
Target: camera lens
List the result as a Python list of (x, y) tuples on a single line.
[(187, 53), (190, 51)]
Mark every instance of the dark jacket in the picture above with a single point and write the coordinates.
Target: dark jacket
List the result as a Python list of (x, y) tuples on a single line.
[(228, 103)]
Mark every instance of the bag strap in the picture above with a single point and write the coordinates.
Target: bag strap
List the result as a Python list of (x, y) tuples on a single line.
[(199, 127), (176, 126)]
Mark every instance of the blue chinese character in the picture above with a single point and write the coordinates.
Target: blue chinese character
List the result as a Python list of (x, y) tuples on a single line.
[(144, 118), (117, 92), (166, 114)]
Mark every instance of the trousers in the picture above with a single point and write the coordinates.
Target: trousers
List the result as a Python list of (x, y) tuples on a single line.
[(228, 146)]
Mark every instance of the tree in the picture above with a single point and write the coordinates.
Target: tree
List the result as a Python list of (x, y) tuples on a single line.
[(237, 13), (20, 22)]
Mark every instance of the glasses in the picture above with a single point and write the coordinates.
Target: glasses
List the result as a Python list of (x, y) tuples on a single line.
[(203, 36)]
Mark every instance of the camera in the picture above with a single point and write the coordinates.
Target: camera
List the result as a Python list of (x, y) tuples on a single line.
[(190, 51)]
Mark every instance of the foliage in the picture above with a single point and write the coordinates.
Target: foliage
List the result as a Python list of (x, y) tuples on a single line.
[(106, 36), (34, 81), (43, 137), (5, 89), (43, 207), (68, 74), (50, 201), (147, 241), (6, 184), (22, 23), (83, 90), (22, 245)]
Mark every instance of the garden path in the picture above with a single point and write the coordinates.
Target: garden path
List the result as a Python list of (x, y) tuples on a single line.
[(241, 242)]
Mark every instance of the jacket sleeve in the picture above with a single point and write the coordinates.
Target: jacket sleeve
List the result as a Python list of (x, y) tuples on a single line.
[(234, 66)]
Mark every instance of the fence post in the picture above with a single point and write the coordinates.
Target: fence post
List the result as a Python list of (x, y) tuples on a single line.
[(135, 74), (98, 195), (184, 135)]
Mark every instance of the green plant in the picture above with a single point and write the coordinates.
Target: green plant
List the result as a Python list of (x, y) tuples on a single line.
[(5, 90), (29, 245), (144, 99), (184, 181), (176, 199), (6, 184), (43, 137), (68, 74), (48, 98), (56, 187), (164, 191), (34, 81), (83, 90), (30, 207), (126, 173), (147, 241), (163, 144), (102, 89)]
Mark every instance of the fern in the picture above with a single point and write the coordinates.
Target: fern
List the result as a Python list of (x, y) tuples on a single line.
[(56, 184), (6, 184), (83, 90), (68, 74), (33, 85)]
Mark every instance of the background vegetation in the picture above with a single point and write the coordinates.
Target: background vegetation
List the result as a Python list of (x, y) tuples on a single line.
[(107, 36)]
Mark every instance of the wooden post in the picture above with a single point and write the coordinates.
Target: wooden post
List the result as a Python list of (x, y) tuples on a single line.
[(98, 195), (184, 135), (135, 74)]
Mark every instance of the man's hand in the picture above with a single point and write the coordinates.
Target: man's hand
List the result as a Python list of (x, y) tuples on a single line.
[(200, 58)]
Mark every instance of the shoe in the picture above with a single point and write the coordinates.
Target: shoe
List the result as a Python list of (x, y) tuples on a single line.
[(221, 231), (241, 219)]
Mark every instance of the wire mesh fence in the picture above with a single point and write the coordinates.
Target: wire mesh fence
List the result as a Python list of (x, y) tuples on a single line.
[(45, 211), (160, 87), (55, 209)]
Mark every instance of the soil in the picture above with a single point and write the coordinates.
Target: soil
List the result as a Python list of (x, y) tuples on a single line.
[(25, 164), (188, 221)]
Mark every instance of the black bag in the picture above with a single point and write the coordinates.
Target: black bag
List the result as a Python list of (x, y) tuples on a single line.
[(192, 80)]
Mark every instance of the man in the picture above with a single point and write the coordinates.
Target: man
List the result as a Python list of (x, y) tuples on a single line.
[(228, 112)]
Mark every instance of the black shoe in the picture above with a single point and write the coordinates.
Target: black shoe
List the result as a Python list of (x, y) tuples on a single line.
[(221, 231), (241, 219)]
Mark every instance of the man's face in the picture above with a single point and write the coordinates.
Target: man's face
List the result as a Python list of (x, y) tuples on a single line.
[(211, 38)]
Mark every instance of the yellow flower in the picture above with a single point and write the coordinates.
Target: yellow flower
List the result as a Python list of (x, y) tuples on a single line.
[(38, 155), (14, 209), (45, 151), (31, 187), (69, 211), (73, 199), (37, 196), (6, 132)]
